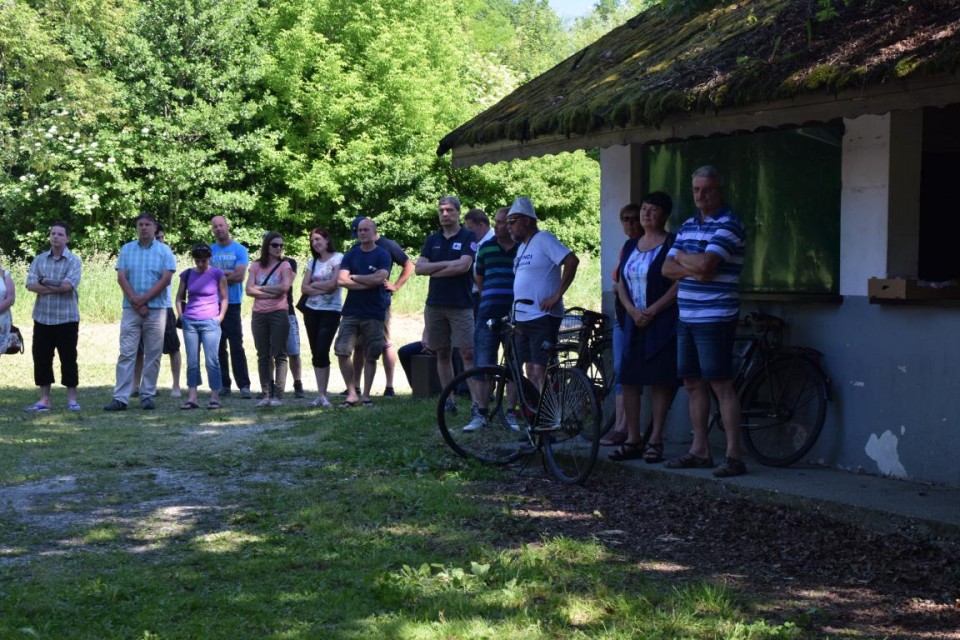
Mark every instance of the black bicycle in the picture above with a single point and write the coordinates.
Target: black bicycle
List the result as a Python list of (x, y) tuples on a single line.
[(783, 393), (586, 342), (561, 420)]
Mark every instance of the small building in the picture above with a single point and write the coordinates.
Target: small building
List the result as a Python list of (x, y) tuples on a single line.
[(837, 126)]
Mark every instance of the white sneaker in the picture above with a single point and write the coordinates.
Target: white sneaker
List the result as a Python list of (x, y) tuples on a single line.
[(321, 401), (476, 422), (264, 403), (275, 402)]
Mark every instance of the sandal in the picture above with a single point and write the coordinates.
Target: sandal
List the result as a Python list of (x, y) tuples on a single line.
[(348, 404), (613, 438), (368, 403), (653, 453), (188, 405), (689, 461), (627, 451), (213, 404), (37, 408)]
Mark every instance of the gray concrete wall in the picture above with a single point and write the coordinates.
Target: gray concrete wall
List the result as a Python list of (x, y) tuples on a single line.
[(896, 408)]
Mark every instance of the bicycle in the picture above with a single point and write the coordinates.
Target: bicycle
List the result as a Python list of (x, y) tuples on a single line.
[(783, 394), (586, 342), (550, 420)]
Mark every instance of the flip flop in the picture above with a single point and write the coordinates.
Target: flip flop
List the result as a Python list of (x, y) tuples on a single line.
[(367, 403), (37, 408), (348, 404), (73, 406), (213, 404), (188, 405)]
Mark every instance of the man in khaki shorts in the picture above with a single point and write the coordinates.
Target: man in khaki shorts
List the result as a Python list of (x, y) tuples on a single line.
[(447, 258)]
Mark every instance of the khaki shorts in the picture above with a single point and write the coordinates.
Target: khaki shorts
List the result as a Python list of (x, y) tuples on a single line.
[(448, 327), (368, 331)]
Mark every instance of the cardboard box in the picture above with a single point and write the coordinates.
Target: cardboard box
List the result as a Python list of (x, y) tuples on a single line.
[(908, 289)]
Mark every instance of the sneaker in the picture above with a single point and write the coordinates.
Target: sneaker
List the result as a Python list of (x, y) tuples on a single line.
[(147, 404), (450, 407), (389, 392), (298, 393), (511, 420), (175, 393), (479, 420), (731, 467), (115, 405), (321, 401), (244, 393), (275, 402), (225, 392), (264, 403)]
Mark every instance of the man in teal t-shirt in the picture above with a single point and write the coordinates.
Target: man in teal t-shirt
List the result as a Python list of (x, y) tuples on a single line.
[(232, 258)]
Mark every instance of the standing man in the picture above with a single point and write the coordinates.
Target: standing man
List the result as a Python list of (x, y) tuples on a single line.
[(144, 270), (400, 258), (477, 221), (232, 258), (494, 280), (447, 258), (363, 273), (54, 276), (544, 270), (707, 258)]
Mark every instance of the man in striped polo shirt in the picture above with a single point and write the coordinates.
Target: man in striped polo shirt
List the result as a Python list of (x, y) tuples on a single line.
[(707, 258), (494, 278)]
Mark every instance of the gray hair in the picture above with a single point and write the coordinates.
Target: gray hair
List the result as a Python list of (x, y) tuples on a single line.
[(708, 171), (452, 200)]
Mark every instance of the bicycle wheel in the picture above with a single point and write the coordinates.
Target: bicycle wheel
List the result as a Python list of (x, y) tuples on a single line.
[(784, 406), (568, 410), (598, 367), (496, 441)]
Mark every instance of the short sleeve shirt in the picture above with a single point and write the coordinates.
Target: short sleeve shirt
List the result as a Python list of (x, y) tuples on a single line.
[(144, 267), (495, 266), (454, 291), (56, 308), (718, 299), (226, 259), (366, 303), (324, 272), (538, 271)]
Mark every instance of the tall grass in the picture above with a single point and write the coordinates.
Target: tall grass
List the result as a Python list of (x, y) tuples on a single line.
[(100, 298)]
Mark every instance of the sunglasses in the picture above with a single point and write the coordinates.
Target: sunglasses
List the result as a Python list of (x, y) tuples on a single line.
[(276, 245)]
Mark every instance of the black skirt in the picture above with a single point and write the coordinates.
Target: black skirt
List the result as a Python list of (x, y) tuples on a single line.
[(638, 367)]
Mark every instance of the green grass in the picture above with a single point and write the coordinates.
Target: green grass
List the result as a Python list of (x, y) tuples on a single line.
[(100, 298)]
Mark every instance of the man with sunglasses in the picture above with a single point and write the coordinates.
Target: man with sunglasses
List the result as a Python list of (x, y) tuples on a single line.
[(544, 269)]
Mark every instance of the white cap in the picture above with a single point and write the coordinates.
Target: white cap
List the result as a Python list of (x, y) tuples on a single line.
[(522, 207)]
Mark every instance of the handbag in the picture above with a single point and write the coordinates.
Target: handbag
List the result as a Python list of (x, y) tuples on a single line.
[(301, 305), (16, 344)]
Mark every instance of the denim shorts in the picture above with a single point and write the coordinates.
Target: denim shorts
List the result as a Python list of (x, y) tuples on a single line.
[(486, 343), (705, 349)]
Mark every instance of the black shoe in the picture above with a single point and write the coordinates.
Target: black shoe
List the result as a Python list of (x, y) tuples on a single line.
[(225, 392), (389, 392), (115, 405), (245, 393), (147, 404), (298, 390)]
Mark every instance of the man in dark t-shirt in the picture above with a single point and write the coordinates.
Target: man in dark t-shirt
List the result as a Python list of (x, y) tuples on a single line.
[(363, 272), (447, 258)]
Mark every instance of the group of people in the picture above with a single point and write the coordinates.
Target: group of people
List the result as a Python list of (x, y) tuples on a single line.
[(676, 296)]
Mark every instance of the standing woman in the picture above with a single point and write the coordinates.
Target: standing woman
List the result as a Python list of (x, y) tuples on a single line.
[(269, 279), (322, 315), (649, 329), (201, 306), (8, 295)]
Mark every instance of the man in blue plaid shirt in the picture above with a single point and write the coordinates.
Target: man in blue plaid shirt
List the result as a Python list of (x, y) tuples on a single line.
[(144, 270)]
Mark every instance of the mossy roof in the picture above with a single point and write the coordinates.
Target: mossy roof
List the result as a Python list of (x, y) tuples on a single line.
[(665, 63)]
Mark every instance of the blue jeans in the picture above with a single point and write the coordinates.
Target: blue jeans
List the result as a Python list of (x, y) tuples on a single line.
[(486, 344), (205, 332)]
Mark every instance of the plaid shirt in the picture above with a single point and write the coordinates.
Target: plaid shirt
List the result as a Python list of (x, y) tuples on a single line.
[(145, 267), (56, 308)]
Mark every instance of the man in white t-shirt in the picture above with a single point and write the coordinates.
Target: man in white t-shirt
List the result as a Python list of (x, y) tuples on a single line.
[(544, 269)]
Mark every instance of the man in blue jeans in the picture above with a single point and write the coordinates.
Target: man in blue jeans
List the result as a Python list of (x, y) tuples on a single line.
[(707, 258), (232, 258)]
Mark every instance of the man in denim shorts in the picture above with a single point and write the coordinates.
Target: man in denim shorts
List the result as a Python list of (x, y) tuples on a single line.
[(707, 258), (544, 269)]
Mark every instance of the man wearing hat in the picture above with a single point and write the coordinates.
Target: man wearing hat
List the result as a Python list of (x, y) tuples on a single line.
[(447, 258), (400, 258), (544, 269)]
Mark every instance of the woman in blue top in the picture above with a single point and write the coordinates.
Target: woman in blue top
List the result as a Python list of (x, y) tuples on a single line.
[(649, 328), (201, 306)]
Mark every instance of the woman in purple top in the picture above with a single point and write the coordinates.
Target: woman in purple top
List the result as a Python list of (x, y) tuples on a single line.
[(201, 305)]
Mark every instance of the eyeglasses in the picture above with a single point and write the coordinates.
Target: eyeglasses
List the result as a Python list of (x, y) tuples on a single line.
[(276, 245), (630, 219)]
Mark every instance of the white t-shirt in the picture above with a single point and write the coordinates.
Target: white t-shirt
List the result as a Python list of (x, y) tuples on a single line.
[(324, 272), (537, 269)]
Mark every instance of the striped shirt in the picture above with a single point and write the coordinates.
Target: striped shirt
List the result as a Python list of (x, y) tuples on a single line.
[(144, 267), (495, 265), (56, 308), (716, 300)]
